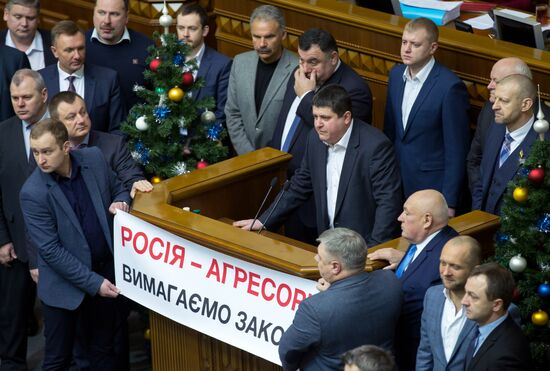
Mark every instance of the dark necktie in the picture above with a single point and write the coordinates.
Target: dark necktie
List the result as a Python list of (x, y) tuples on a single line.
[(71, 84), (471, 348), (290, 134)]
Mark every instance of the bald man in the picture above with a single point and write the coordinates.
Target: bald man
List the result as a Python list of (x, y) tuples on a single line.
[(501, 69), (508, 138), (424, 224), (446, 332)]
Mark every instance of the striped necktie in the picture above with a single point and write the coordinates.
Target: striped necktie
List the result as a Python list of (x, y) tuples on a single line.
[(506, 149)]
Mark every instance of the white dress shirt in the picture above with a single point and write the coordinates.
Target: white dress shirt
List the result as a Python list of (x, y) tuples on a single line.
[(78, 81), (413, 85), (35, 51), (452, 323), (335, 162), (519, 134)]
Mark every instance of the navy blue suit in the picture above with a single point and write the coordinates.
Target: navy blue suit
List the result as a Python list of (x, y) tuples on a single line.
[(369, 192), (432, 149), (422, 273), (101, 94), (360, 309), (214, 69), (490, 189), (69, 279), (11, 60)]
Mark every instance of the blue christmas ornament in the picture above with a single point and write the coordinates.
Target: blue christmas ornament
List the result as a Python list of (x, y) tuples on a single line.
[(139, 146), (544, 290), (523, 172), (161, 112), (178, 59), (543, 224), (501, 237), (214, 131), (144, 157)]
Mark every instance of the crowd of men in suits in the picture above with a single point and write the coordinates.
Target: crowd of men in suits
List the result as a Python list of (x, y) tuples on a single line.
[(65, 169)]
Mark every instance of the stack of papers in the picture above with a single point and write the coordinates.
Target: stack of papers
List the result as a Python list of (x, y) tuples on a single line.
[(441, 12)]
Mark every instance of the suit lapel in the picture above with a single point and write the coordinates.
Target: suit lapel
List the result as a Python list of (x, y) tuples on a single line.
[(438, 310), (95, 196), (465, 335), (488, 344), (89, 88), (202, 72), (52, 80), (21, 157), (398, 104), (59, 197), (416, 263), (422, 95), (348, 166), (276, 83), (321, 152)]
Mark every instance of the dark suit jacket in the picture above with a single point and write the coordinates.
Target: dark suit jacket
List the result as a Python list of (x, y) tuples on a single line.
[(422, 273), (49, 58), (11, 60), (64, 259), (506, 348), (432, 149), (14, 171), (431, 353), (360, 309), (361, 99), (116, 152), (101, 94), (484, 120), (492, 146), (369, 193), (214, 69)]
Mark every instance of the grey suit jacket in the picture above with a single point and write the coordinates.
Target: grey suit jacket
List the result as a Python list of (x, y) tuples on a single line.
[(431, 355), (247, 129), (64, 259)]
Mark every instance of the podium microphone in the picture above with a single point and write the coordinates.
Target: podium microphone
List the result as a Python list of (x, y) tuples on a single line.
[(286, 186), (271, 185)]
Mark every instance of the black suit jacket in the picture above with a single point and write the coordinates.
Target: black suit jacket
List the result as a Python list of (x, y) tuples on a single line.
[(506, 348), (116, 152), (49, 58), (14, 171), (102, 95), (361, 98), (369, 193), (11, 60)]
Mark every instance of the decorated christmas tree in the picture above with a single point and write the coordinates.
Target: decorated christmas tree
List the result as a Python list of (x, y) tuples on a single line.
[(170, 133), (523, 242)]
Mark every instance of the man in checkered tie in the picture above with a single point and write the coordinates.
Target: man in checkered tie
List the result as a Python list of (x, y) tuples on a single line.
[(509, 139)]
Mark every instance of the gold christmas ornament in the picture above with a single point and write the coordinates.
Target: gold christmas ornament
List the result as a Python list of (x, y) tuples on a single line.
[(175, 94), (539, 318), (156, 179), (520, 194)]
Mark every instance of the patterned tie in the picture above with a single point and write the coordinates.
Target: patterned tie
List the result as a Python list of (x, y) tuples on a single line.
[(407, 259), (290, 134), (506, 149), (71, 84)]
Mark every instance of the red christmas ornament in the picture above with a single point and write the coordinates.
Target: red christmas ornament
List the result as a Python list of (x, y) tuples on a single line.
[(536, 176), (155, 64), (202, 164), (516, 296), (187, 79)]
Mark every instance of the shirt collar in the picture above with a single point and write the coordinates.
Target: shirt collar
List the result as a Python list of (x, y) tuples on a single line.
[(63, 75), (420, 246), (125, 37), (422, 75), (485, 330), (36, 43), (75, 169), (344, 141), (27, 125), (520, 133)]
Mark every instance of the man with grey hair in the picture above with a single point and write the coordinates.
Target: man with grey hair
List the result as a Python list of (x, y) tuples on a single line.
[(502, 68), (22, 19), (28, 96), (257, 82), (368, 358), (424, 225), (509, 138), (352, 308)]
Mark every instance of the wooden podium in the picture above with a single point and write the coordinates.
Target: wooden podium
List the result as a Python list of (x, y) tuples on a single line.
[(234, 189)]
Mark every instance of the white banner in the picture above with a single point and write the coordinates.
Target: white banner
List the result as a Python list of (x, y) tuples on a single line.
[(242, 304)]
